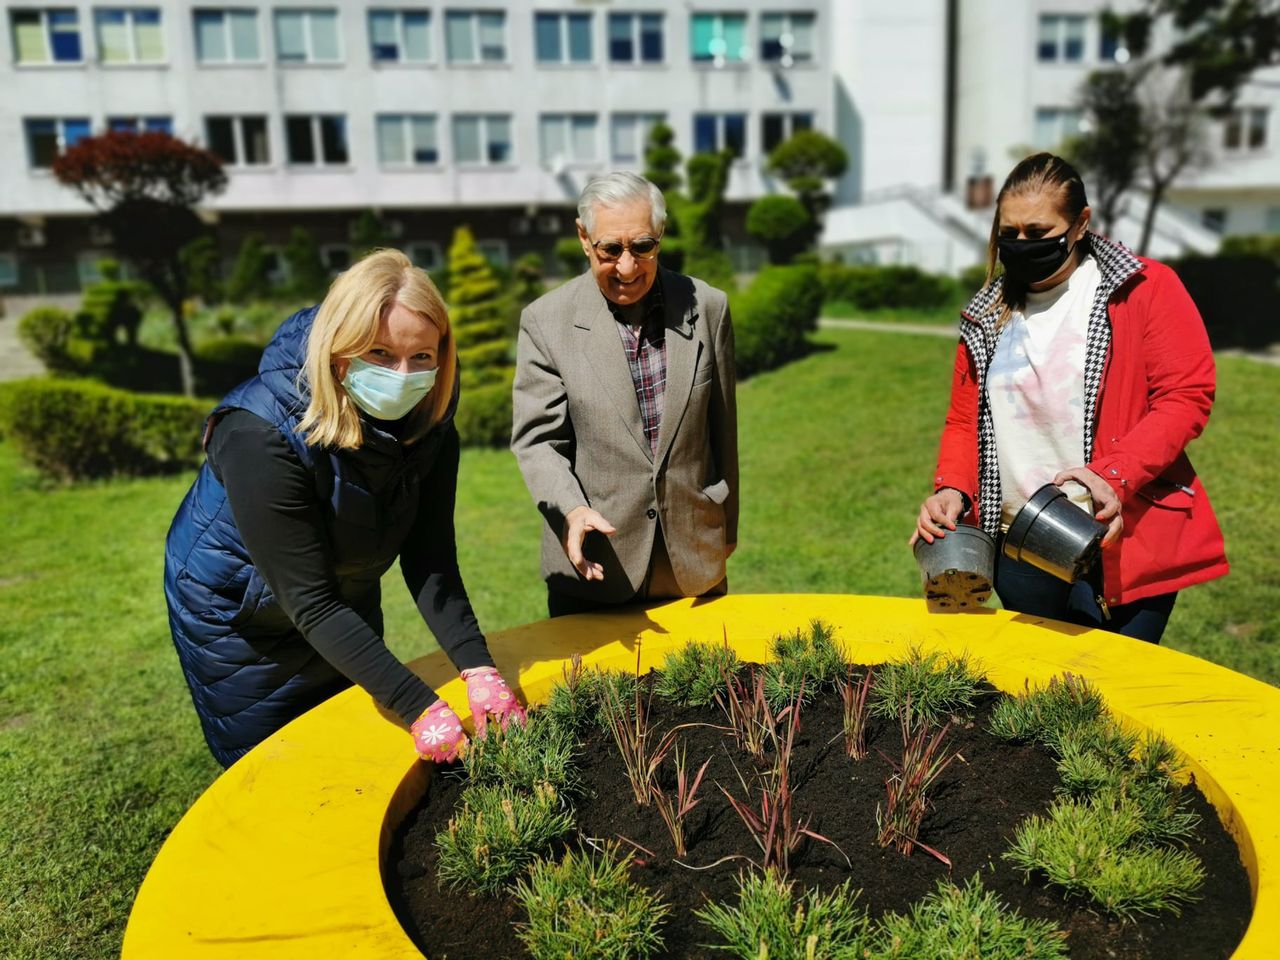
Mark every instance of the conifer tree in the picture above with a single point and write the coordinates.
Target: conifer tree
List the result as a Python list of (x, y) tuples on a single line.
[(477, 316)]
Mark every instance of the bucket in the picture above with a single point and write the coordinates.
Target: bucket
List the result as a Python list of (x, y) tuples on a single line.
[(957, 569), (1054, 535)]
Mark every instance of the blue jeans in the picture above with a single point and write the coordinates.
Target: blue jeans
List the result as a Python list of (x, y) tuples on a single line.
[(1023, 588)]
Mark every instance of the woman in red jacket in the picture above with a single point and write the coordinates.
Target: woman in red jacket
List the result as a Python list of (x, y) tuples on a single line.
[(1088, 367)]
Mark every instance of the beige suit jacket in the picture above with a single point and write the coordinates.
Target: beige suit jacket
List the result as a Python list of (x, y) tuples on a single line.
[(578, 437)]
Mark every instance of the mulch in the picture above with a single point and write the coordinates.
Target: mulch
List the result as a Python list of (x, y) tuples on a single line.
[(977, 803)]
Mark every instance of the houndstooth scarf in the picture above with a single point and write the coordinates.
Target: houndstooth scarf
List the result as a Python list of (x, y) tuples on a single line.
[(978, 331)]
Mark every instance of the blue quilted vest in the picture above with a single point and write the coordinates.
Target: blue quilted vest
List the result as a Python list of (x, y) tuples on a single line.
[(249, 669)]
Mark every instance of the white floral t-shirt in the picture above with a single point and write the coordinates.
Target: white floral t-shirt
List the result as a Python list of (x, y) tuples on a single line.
[(1035, 386)]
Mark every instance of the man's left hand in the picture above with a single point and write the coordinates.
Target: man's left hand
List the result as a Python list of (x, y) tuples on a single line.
[(1105, 502)]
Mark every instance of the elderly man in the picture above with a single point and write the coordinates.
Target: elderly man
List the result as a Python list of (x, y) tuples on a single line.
[(625, 423)]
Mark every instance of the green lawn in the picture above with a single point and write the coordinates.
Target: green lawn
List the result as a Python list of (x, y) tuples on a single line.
[(100, 751)]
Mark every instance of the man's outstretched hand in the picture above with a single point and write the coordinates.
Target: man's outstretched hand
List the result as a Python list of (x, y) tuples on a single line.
[(580, 522)]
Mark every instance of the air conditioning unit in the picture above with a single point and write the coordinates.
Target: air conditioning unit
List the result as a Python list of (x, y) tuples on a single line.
[(29, 236), (99, 236), (521, 226), (549, 223)]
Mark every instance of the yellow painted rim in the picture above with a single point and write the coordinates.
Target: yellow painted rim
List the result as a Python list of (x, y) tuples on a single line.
[(281, 856)]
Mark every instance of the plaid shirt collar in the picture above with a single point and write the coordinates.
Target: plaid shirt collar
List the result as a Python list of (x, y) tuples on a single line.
[(653, 315)]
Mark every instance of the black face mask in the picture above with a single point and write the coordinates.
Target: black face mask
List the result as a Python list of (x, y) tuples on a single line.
[(1030, 261)]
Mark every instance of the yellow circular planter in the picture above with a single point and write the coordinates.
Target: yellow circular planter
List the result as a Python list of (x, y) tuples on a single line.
[(281, 857)]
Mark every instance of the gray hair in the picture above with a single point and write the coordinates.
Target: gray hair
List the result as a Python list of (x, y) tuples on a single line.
[(617, 189)]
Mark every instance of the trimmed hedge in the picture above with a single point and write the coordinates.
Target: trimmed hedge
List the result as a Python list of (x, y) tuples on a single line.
[(78, 429), (483, 417), (875, 288), (1238, 297), (772, 319)]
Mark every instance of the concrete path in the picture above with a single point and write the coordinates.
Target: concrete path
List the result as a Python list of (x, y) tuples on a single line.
[(16, 362)]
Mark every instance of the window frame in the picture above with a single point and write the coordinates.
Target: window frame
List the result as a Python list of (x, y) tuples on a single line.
[(477, 52), (406, 126), (789, 28), (1240, 125), (721, 118), (564, 17), (485, 141), (317, 142), (636, 38), (60, 137), (1060, 114), (10, 270), (131, 22), (1060, 38), (239, 139), (437, 256), (46, 34), (309, 36), (720, 16), (789, 129), (224, 14), (638, 117), (399, 14), (140, 123)]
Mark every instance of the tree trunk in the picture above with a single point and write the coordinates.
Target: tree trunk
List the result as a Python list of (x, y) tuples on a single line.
[(186, 356), (1149, 221)]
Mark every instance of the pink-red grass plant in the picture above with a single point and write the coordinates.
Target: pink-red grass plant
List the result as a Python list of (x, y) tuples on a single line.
[(771, 818), (907, 789), (853, 699), (753, 722), (675, 807)]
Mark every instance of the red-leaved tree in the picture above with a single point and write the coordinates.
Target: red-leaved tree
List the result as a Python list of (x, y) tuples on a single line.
[(145, 187)]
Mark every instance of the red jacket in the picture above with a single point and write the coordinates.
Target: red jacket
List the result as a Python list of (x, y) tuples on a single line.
[(1156, 392)]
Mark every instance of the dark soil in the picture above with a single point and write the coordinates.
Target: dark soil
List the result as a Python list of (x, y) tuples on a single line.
[(978, 802)]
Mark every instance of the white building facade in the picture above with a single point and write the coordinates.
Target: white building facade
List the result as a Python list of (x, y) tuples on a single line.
[(431, 113)]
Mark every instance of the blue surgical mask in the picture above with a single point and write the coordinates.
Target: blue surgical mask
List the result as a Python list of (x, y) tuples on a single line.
[(386, 394)]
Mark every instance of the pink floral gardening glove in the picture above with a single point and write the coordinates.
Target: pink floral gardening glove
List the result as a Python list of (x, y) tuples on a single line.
[(438, 733), (488, 694)]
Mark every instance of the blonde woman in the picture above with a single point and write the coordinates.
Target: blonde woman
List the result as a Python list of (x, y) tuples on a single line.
[(337, 459)]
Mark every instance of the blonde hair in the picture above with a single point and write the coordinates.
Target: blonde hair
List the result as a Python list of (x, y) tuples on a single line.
[(346, 326)]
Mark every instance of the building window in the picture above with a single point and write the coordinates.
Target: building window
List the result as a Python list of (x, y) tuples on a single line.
[(307, 36), (239, 141), (425, 255), (778, 127), (635, 37), (400, 36), (1054, 125), (719, 37), (140, 124), (713, 132), (1245, 129), (495, 251), (47, 137), (787, 38), (8, 270), (129, 35), (628, 134), (1214, 218), (568, 137), (482, 139), (1061, 39), (336, 257), (562, 37), (1273, 220), (475, 36), (407, 140), (227, 36), (46, 36), (1111, 48), (314, 141)]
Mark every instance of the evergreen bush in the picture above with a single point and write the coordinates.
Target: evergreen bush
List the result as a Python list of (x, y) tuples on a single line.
[(78, 429), (772, 319)]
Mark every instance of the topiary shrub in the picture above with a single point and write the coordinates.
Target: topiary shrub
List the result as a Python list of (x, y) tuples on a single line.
[(1238, 297), (782, 224), (772, 319), (77, 429), (568, 253), (974, 278), (483, 417), (48, 333), (249, 280)]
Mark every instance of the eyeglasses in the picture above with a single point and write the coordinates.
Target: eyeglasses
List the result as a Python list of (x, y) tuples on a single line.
[(642, 248)]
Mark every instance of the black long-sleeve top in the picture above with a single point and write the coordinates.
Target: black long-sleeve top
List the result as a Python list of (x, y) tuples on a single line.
[(273, 500)]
